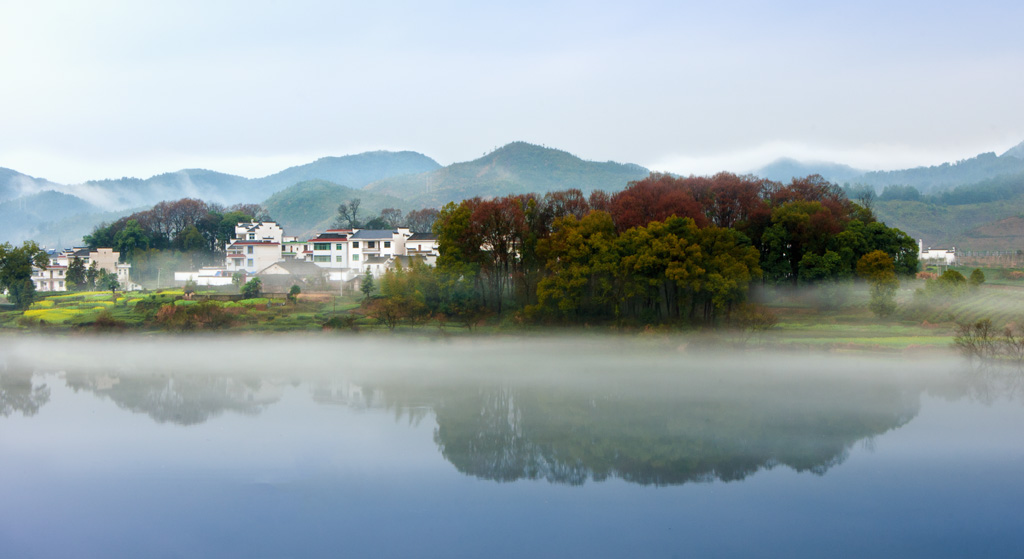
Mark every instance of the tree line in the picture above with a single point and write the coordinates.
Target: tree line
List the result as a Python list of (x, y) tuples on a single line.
[(665, 248)]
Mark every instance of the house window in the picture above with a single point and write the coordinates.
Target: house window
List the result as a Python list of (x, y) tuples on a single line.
[(321, 246), (322, 258), (371, 244), (62, 284), (252, 236), (249, 249), (387, 244), (355, 244), (339, 246), (355, 258), (340, 258), (250, 262)]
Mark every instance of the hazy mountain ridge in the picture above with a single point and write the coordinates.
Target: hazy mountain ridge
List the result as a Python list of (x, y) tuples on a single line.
[(14, 184), (354, 171), (516, 168), (29, 216), (309, 204), (785, 169), (212, 186), (948, 175)]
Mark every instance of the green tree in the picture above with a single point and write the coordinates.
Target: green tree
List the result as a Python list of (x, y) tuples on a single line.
[(366, 286), (91, 275), (131, 239), (252, 288), (293, 294), (76, 274), (878, 269), (108, 282), (238, 280), (728, 263), (16, 271), (582, 263), (977, 278)]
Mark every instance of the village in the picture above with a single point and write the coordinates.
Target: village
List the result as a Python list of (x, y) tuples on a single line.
[(336, 259)]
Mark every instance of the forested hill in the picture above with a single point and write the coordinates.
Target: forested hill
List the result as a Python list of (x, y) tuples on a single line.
[(948, 175), (516, 168), (353, 171), (309, 207)]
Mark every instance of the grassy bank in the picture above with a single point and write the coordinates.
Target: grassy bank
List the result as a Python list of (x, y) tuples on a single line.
[(834, 320)]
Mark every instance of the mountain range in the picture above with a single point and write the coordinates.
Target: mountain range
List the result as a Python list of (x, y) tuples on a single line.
[(304, 198)]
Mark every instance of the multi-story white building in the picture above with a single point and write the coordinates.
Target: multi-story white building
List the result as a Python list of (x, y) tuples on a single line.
[(371, 243), (252, 256), (53, 278), (331, 249), (256, 246), (423, 244)]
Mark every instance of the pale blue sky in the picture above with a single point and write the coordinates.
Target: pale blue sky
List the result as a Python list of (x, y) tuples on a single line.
[(107, 88)]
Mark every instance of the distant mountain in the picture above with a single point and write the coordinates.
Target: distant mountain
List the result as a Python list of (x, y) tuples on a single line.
[(785, 169), (128, 192), (14, 184), (948, 175), (1016, 151), (309, 207), (23, 218), (516, 168), (354, 171), (211, 186)]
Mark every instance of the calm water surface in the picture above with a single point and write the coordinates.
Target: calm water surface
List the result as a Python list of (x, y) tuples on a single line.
[(253, 447)]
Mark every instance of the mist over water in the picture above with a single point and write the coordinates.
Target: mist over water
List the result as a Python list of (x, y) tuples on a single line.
[(607, 446)]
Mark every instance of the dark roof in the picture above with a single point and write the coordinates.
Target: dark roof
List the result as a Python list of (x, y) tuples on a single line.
[(329, 237), (422, 237), (376, 259), (255, 243), (373, 234)]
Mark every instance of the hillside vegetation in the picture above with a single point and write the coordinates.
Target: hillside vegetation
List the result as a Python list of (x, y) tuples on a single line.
[(310, 207), (517, 168)]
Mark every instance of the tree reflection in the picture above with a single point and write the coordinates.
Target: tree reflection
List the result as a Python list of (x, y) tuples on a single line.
[(660, 434), (179, 399), (19, 394), (986, 382)]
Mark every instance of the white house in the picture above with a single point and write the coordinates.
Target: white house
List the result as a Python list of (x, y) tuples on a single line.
[(53, 278), (331, 249), (944, 256), (256, 246), (251, 256), (423, 244)]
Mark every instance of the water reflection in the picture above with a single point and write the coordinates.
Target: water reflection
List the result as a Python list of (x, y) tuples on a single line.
[(18, 393), (181, 399), (691, 433), (671, 421)]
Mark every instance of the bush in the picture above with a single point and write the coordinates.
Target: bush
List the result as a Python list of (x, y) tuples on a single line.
[(977, 278), (252, 288)]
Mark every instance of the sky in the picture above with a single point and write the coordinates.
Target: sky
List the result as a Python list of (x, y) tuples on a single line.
[(111, 88)]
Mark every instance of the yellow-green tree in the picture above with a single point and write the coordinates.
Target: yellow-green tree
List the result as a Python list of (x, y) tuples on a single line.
[(878, 269)]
